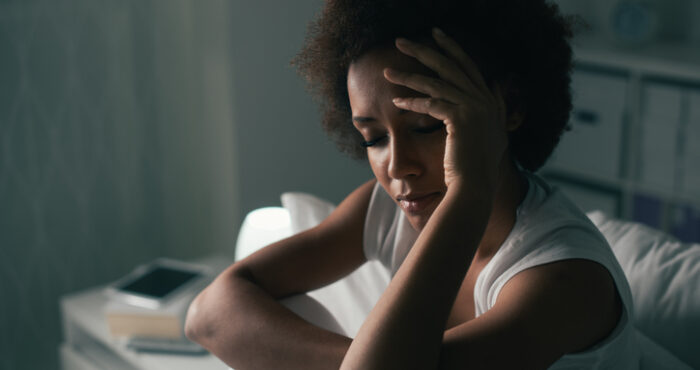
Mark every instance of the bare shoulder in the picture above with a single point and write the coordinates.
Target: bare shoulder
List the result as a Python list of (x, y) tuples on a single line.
[(541, 314), (569, 305)]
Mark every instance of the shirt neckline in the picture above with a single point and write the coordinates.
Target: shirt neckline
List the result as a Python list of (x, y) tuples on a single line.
[(520, 211)]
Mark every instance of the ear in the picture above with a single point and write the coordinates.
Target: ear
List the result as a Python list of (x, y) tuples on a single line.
[(514, 110), (515, 120)]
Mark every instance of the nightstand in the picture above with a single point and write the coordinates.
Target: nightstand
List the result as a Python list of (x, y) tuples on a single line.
[(88, 344)]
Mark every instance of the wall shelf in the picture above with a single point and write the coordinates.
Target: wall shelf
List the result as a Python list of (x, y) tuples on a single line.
[(672, 60), (644, 145)]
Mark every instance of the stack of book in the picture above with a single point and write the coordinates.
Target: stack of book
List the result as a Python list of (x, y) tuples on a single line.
[(127, 320), (148, 307)]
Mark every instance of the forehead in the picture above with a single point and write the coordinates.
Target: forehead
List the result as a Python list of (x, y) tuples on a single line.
[(366, 82)]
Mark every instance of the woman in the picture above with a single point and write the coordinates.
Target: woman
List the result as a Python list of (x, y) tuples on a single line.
[(491, 267)]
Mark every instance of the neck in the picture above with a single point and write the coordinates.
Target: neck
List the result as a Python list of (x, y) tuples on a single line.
[(510, 193)]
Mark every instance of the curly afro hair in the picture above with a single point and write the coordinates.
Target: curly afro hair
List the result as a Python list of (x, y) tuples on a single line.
[(522, 45)]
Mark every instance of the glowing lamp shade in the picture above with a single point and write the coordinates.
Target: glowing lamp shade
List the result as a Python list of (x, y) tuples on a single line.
[(261, 227)]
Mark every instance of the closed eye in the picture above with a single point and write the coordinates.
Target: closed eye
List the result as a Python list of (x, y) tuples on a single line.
[(373, 142), (421, 130)]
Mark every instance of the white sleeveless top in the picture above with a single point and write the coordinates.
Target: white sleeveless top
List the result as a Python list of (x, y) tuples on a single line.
[(548, 228)]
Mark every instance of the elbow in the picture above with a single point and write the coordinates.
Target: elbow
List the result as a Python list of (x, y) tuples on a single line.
[(196, 327), (208, 316)]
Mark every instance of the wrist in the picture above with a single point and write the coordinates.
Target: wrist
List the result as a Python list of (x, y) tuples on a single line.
[(470, 201), (470, 193)]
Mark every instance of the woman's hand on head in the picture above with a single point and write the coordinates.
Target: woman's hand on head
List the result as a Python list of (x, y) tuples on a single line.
[(473, 113)]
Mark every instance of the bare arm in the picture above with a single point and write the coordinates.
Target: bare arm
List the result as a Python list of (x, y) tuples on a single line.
[(406, 327), (541, 314), (238, 317)]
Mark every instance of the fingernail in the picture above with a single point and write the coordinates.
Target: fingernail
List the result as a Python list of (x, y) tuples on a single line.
[(397, 101), (388, 72), (438, 32), (402, 41)]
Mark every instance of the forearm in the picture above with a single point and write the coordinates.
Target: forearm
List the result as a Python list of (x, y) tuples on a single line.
[(406, 327), (248, 329)]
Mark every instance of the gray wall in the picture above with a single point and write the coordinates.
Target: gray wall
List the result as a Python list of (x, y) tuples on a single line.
[(279, 141), (136, 129)]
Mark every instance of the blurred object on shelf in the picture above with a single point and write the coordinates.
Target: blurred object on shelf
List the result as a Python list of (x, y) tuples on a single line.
[(634, 22)]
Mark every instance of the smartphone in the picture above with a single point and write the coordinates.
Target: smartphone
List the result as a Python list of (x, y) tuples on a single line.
[(154, 284)]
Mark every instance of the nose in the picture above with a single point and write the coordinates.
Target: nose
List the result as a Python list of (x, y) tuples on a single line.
[(404, 160)]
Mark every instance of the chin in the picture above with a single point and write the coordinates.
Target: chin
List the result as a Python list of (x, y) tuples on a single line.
[(418, 222)]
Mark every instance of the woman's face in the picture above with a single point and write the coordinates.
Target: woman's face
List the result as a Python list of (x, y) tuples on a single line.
[(405, 149)]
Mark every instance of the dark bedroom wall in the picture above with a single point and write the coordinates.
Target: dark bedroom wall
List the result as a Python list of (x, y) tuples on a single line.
[(279, 140), (136, 129), (116, 146)]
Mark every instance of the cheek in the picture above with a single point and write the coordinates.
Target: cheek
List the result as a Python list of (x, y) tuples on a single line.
[(379, 162)]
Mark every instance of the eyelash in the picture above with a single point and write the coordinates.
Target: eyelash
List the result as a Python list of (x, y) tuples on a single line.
[(426, 130), (367, 144)]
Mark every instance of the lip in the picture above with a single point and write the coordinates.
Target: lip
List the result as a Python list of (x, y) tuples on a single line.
[(415, 202)]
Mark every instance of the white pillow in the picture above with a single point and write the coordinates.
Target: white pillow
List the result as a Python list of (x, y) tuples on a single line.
[(305, 210), (350, 299), (664, 276)]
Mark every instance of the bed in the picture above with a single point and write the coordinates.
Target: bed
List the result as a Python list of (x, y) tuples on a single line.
[(664, 276)]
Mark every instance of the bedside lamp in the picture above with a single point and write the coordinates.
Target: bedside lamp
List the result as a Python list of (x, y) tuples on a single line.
[(261, 227)]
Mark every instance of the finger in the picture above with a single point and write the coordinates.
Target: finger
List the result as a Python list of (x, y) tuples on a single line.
[(433, 87), (455, 51), (436, 108), (447, 69)]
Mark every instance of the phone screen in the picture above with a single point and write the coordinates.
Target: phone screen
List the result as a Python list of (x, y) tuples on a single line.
[(159, 282)]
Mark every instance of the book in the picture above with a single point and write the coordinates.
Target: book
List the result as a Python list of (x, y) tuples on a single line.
[(167, 321), (152, 300)]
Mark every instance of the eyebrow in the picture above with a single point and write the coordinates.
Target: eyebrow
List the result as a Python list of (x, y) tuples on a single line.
[(361, 119)]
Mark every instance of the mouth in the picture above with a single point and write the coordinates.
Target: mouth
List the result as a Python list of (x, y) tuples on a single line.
[(417, 203)]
